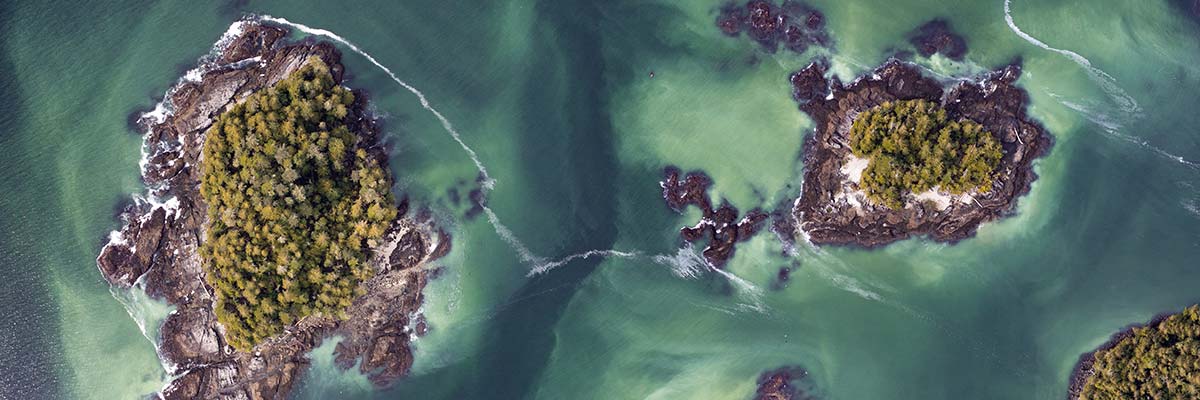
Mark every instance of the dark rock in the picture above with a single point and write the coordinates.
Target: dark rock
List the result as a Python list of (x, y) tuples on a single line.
[(159, 243), (936, 36), (720, 226), (190, 337), (780, 384), (409, 251), (254, 41), (793, 24), (994, 101), (809, 84)]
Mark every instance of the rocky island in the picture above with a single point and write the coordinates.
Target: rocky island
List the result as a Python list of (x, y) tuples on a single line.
[(211, 236), (944, 188)]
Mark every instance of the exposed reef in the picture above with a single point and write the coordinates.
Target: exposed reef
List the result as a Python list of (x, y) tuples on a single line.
[(936, 36), (782, 384), (156, 250), (833, 210), (794, 25), (720, 226)]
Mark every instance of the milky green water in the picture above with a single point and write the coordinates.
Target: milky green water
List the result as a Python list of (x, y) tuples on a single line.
[(556, 99)]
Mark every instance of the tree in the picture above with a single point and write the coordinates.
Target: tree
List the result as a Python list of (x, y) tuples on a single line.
[(277, 180), (912, 147), (1160, 361)]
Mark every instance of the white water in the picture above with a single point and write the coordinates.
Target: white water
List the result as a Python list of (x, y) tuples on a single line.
[(547, 266), (685, 263)]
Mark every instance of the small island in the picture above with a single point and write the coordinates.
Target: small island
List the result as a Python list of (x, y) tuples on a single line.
[(895, 155), (1160, 360), (269, 225)]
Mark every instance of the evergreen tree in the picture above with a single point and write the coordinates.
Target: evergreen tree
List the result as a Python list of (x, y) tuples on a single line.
[(281, 242), (913, 147)]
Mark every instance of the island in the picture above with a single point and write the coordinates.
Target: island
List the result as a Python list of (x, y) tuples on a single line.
[(1158, 360), (895, 155), (269, 224)]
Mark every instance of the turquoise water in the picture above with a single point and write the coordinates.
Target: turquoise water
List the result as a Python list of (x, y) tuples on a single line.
[(556, 99)]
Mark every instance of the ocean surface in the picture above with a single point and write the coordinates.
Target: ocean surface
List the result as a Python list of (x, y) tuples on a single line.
[(556, 101)]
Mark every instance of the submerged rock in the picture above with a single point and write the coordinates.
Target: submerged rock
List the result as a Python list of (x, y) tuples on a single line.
[(781, 384), (830, 212), (794, 25), (936, 36), (157, 247)]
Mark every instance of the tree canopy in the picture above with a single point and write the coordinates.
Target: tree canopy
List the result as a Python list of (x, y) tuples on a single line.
[(913, 147), (1161, 361), (295, 203)]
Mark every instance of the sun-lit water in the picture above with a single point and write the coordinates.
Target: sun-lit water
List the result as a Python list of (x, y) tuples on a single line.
[(556, 101)]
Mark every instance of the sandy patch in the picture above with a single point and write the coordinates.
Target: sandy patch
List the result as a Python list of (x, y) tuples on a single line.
[(942, 200), (853, 168)]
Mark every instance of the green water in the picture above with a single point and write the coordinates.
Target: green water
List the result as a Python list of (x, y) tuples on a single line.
[(556, 99)]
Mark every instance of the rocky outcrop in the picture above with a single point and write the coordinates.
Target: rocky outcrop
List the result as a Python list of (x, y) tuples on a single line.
[(156, 250), (721, 226), (780, 384), (936, 36), (828, 216), (794, 25)]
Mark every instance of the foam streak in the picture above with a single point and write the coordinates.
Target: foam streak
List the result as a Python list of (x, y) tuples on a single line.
[(1106, 81)]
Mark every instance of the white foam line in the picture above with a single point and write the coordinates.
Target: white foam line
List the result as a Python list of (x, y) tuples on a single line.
[(508, 236), (1106, 81)]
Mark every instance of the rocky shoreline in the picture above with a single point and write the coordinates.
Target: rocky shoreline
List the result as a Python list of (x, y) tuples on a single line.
[(831, 210), (156, 250)]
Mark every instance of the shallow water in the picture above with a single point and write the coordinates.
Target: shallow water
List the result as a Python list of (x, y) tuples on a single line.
[(556, 99)]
